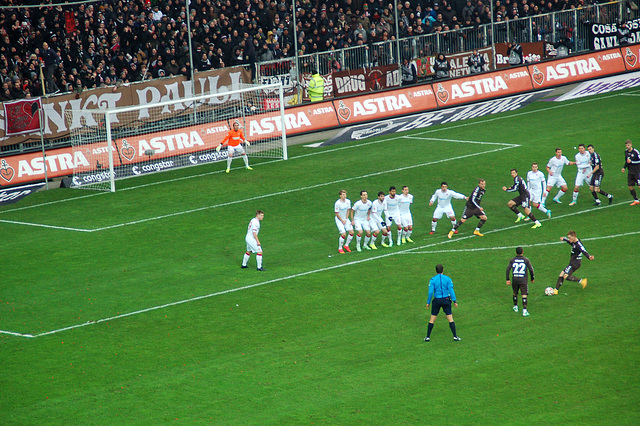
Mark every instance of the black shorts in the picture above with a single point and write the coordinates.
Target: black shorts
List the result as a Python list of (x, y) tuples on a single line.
[(521, 201), (572, 267), (471, 211), (444, 303), (520, 284), (633, 179), (596, 180)]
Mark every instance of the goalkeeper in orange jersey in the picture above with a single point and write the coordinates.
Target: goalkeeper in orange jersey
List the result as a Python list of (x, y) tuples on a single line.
[(233, 141)]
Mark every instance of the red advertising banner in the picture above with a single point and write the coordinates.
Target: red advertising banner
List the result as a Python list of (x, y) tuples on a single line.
[(378, 106), (482, 87), (576, 68), (354, 82), (22, 116), (308, 118)]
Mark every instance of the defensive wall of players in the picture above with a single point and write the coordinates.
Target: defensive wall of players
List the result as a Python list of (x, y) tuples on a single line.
[(372, 106)]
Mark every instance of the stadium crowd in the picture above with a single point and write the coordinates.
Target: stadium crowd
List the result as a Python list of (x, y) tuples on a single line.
[(106, 43)]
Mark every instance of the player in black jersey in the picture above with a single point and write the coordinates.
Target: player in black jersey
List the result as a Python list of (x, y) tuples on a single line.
[(597, 173), (577, 250), (520, 186), (632, 164), (518, 267), (472, 208)]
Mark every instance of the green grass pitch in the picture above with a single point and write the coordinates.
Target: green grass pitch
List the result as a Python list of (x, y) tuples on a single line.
[(131, 308)]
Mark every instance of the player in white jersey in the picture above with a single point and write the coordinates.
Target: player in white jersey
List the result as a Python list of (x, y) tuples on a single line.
[(444, 196), (583, 161), (342, 208), (404, 205), (253, 242), (376, 222), (537, 186), (554, 169), (361, 213), (392, 214)]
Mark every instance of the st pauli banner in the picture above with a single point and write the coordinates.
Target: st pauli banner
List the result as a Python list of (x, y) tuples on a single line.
[(142, 93)]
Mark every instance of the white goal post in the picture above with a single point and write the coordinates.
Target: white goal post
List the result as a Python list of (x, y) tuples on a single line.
[(173, 134)]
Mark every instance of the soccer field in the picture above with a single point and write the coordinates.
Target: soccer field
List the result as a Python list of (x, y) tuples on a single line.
[(131, 307)]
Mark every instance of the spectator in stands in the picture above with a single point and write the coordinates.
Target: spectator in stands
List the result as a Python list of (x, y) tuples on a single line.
[(51, 59), (623, 34), (409, 72), (514, 53), (360, 33), (98, 32), (441, 66), (265, 54), (476, 62)]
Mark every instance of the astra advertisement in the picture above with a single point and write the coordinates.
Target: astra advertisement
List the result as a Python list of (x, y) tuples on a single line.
[(194, 144)]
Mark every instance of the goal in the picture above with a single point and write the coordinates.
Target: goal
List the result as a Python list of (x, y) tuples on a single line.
[(126, 142)]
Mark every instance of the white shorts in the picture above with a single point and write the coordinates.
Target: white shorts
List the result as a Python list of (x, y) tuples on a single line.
[(362, 225), (406, 220), (581, 177), (374, 222), (343, 228), (556, 181), (440, 211), (235, 150), (535, 196), (252, 245), (391, 219)]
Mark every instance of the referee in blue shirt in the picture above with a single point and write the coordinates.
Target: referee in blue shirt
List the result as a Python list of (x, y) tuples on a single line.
[(442, 294)]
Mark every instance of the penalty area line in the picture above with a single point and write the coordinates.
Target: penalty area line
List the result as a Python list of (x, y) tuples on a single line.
[(411, 250), (206, 296)]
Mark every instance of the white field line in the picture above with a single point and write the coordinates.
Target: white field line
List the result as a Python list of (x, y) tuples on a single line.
[(502, 147), (41, 225), (466, 250), (413, 250), (441, 127), (17, 334)]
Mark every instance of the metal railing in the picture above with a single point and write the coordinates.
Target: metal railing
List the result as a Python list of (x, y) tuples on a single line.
[(568, 28)]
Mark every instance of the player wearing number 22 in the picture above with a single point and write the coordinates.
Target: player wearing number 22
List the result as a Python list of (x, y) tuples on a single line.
[(233, 141), (518, 267)]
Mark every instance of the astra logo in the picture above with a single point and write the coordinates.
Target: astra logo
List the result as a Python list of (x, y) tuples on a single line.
[(478, 87), (572, 69)]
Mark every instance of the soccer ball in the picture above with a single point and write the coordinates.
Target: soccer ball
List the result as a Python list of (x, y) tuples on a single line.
[(549, 291)]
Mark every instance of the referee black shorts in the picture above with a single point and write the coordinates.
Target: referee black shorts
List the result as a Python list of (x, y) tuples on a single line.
[(444, 303)]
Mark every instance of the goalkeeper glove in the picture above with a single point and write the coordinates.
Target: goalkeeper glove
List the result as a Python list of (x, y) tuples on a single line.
[(218, 148), (247, 143)]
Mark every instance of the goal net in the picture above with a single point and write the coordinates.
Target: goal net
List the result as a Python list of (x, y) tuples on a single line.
[(173, 134)]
